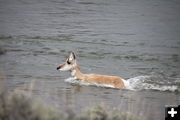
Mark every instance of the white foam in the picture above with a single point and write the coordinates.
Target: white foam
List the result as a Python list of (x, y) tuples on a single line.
[(146, 83)]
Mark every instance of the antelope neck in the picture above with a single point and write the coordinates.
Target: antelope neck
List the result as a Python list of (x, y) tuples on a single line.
[(76, 73)]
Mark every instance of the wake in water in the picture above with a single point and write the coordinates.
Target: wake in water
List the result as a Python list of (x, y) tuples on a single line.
[(136, 83), (147, 83)]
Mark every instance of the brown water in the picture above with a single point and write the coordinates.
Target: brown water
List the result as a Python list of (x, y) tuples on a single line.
[(138, 40)]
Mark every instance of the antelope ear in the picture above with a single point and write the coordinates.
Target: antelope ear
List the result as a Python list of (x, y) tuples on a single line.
[(72, 57)]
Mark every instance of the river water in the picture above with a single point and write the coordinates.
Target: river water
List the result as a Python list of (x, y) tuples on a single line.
[(137, 40)]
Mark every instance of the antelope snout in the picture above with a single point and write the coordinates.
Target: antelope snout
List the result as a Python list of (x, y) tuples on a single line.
[(59, 67)]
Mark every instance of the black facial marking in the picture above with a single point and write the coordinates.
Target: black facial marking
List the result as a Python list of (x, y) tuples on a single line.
[(58, 67), (68, 62)]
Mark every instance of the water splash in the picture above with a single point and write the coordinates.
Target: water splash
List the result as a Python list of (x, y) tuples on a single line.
[(137, 84), (147, 83)]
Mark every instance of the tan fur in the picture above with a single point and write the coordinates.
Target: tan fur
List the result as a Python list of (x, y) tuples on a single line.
[(115, 81), (104, 79)]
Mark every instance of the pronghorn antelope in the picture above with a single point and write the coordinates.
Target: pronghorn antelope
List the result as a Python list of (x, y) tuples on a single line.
[(71, 65)]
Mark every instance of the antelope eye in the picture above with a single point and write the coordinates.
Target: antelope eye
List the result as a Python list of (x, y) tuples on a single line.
[(68, 62)]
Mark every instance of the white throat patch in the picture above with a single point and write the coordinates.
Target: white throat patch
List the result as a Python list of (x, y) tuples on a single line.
[(73, 73)]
